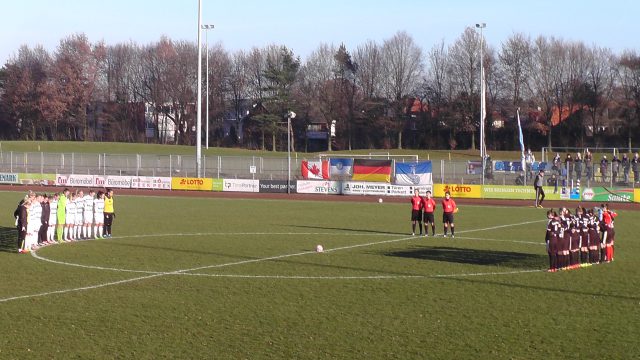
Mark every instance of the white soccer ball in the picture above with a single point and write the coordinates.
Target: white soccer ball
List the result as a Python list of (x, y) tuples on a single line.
[(319, 249), (380, 200)]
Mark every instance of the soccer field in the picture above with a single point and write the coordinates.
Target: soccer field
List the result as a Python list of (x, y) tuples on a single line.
[(186, 278)]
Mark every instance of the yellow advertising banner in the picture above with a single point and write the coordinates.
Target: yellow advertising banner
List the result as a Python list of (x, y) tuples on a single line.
[(458, 191), (199, 184), (636, 195)]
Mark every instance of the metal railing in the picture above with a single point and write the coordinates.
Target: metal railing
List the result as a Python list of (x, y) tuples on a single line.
[(275, 168)]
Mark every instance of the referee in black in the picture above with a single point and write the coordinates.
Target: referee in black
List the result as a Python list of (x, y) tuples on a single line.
[(538, 181)]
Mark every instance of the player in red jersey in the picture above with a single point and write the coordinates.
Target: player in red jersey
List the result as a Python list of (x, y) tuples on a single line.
[(449, 208), (607, 217), (429, 206), (416, 212)]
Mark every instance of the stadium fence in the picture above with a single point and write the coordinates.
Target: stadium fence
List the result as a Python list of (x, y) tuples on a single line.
[(498, 171)]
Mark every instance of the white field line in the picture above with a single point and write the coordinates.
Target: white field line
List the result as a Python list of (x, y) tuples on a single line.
[(66, 291), (186, 271), (365, 277)]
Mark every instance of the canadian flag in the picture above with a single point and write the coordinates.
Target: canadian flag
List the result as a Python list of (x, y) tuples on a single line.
[(315, 169)]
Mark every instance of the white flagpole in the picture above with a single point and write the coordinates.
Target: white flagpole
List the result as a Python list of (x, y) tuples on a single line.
[(199, 102)]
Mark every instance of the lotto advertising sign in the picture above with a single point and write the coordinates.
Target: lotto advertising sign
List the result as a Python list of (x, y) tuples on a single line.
[(602, 194), (240, 185), (458, 191), (317, 187), (276, 186), (194, 184)]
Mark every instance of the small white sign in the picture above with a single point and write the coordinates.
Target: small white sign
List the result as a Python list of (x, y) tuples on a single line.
[(252, 169)]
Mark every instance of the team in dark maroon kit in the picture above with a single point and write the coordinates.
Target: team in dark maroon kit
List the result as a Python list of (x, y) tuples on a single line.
[(581, 239)]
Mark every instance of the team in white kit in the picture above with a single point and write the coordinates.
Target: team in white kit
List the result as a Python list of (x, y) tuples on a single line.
[(37, 218)]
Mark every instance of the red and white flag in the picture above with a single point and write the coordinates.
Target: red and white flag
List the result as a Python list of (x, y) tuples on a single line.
[(315, 169)]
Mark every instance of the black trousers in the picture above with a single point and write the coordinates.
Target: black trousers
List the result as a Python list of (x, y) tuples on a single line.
[(539, 195), (21, 235), (42, 233), (108, 221)]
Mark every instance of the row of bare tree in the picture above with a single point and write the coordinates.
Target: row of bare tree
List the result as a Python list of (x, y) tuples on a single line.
[(382, 95)]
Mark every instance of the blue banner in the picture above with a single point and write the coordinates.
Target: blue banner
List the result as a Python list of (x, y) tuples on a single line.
[(416, 173)]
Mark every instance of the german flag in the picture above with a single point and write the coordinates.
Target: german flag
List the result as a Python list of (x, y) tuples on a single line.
[(372, 170)]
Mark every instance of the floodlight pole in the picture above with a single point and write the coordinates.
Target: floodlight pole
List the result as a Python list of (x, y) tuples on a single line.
[(290, 115), (199, 102), (206, 29), (483, 109)]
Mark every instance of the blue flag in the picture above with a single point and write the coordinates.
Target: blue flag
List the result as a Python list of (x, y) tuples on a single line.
[(340, 167), (414, 173)]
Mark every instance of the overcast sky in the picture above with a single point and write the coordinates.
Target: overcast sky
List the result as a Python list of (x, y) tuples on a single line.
[(303, 25)]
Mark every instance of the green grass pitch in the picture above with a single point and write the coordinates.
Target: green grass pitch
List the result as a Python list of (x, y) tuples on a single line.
[(207, 278)]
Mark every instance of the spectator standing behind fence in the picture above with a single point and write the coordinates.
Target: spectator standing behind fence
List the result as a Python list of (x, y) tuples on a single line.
[(556, 164), (529, 159), (553, 181), (635, 167), (604, 168), (615, 169), (626, 167), (578, 166), (588, 162), (568, 164)]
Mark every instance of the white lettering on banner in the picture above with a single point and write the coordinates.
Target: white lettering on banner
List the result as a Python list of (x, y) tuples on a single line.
[(118, 182), (363, 188), (400, 190), (318, 187), (149, 182), (239, 185), (9, 178), (80, 180)]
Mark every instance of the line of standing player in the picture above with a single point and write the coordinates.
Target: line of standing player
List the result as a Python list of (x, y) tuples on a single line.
[(581, 239), (423, 208), (71, 216)]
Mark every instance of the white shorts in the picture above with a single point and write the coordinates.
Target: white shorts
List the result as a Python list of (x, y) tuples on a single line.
[(52, 220), (88, 217), (79, 219), (98, 218)]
